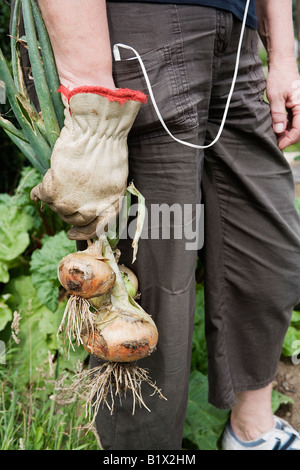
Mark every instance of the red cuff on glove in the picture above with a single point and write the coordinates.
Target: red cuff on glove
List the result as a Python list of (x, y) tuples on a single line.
[(121, 95)]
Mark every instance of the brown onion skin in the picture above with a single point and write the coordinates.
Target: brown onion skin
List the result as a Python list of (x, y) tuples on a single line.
[(85, 275), (124, 339)]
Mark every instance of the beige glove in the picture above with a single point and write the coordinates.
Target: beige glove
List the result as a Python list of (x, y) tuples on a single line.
[(89, 163)]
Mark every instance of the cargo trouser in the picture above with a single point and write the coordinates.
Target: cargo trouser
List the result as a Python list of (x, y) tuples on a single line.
[(251, 230), (252, 238)]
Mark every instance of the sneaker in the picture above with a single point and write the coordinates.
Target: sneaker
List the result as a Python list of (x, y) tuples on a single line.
[(281, 437)]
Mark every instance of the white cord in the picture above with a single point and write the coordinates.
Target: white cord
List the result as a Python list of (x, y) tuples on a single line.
[(117, 57)]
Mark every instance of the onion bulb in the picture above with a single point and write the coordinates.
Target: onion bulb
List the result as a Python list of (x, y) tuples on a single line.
[(116, 330), (120, 336), (85, 275)]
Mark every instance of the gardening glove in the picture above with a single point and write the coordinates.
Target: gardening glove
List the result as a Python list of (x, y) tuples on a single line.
[(89, 164)]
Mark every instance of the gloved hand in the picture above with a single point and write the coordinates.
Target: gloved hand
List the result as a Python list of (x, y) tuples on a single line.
[(89, 163)]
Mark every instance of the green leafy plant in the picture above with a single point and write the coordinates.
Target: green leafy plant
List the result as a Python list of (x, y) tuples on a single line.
[(292, 336), (44, 264), (6, 313), (204, 423), (14, 228)]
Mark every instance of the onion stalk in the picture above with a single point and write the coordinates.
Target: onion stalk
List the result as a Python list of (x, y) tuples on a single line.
[(38, 130)]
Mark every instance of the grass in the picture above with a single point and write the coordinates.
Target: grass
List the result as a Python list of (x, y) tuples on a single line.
[(31, 420)]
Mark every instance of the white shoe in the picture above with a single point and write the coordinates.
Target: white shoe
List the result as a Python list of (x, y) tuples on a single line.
[(281, 437)]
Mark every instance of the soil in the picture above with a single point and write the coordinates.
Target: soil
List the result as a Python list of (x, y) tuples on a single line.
[(287, 381)]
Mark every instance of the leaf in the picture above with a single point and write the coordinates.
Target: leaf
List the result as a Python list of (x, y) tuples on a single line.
[(295, 318), (5, 312), (204, 423), (14, 228), (14, 237), (291, 339), (44, 264), (279, 399), (34, 342), (42, 219), (38, 329), (38, 326), (4, 272), (30, 177), (38, 438)]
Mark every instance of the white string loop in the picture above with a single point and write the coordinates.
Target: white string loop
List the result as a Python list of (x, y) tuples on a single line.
[(117, 57)]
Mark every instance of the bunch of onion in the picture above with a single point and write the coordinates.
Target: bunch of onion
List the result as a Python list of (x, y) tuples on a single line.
[(117, 331)]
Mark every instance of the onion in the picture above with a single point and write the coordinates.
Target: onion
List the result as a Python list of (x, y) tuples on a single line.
[(120, 336), (85, 275)]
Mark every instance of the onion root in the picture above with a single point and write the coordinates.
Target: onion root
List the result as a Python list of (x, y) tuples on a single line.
[(101, 385)]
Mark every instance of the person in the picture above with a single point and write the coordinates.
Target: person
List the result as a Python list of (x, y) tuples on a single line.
[(243, 181)]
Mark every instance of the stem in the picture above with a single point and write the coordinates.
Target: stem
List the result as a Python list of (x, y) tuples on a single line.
[(49, 64), (140, 218), (119, 294), (119, 289), (24, 114), (123, 219), (17, 68), (7, 125), (121, 223), (26, 149), (49, 231), (41, 86), (15, 56), (21, 142)]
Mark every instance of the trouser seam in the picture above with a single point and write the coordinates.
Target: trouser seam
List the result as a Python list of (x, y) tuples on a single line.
[(222, 281), (190, 113)]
